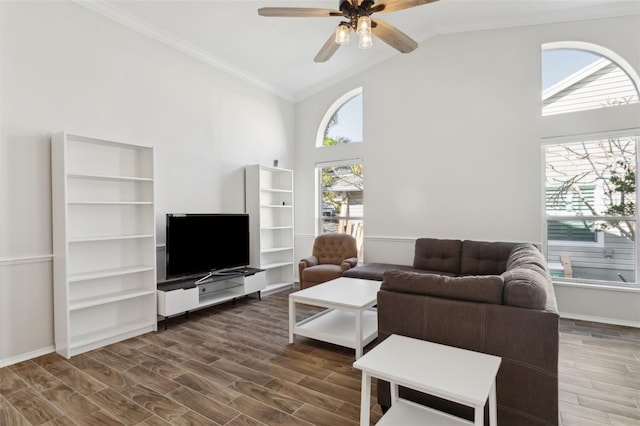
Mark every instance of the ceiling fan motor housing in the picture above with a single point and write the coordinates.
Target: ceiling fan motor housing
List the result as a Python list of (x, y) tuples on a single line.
[(350, 10)]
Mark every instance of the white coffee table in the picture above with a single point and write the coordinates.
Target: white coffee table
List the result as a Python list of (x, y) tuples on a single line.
[(458, 375), (349, 320)]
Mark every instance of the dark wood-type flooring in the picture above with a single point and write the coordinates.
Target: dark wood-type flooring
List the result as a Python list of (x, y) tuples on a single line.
[(232, 365)]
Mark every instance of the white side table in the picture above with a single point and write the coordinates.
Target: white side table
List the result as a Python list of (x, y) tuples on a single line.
[(458, 375)]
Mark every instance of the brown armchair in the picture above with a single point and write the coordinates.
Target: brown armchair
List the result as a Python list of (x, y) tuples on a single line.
[(332, 254)]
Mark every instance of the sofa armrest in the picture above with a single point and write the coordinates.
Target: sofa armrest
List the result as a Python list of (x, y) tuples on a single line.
[(348, 263), (309, 261), (305, 263)]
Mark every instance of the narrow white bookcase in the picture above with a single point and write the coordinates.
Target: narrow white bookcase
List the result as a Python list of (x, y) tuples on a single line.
[(269, 202), (104, 250)]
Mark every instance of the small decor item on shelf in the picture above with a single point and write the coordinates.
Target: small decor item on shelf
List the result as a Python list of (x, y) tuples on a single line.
[(275, 163)]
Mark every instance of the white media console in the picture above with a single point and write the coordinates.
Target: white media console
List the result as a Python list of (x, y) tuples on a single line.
[(183, 296)]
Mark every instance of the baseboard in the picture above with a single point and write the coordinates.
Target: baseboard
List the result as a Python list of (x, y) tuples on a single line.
[(27, 356), (604, 320)]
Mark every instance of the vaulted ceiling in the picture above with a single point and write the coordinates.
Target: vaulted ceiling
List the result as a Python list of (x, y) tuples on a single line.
[(277, 53)]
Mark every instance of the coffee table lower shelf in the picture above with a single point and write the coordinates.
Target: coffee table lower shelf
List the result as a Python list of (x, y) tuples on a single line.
[(404, 412), (339, 327)]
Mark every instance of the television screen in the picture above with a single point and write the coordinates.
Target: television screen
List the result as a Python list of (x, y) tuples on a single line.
[(202, 243)]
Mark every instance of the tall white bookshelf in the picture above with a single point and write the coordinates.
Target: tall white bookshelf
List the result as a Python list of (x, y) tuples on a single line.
[(103, 242), (269, 202)]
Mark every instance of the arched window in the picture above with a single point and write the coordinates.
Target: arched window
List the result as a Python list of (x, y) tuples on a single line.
[(342, 123), (581, 76), (340, 189), (590, 176)]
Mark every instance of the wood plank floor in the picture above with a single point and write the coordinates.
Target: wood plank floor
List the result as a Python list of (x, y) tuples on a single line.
[(232, 365)]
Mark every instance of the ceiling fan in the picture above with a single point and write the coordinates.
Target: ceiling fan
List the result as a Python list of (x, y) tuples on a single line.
[(358, 13)]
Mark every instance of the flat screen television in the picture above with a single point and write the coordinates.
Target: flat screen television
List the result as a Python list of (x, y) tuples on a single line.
[(205, 243)]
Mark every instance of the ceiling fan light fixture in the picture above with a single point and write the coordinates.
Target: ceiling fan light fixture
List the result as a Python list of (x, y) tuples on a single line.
[(364, 25), (356, 15), (366, 41), (342, 34)]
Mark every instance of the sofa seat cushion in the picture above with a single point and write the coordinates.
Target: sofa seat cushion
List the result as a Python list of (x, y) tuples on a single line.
[(525, 287), (442, 256), (483, 289), (374, 271), (484, 257)]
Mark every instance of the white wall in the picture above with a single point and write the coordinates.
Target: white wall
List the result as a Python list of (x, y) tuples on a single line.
[(452, 138), (452, 135), (63, 67)]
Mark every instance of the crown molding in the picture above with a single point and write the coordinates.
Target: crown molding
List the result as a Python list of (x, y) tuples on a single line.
[(145, 28)]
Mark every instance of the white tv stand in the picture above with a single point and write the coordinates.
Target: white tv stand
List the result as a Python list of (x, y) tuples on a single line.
[(185, 295)]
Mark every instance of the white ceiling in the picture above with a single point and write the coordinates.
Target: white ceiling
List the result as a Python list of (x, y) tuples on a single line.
[(277, 53)]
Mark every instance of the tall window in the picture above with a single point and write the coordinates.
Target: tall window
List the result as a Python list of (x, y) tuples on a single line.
[(590, 181), (341, 179), (342, 193), (590, 189)]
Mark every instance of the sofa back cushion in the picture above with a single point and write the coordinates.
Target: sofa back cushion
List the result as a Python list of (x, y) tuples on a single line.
[(333, 248), (433, 254), (526, 278), (526, 254), (484, 257), (483, 289)]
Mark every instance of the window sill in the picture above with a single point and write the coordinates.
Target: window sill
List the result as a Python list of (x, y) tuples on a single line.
[(631, 288)]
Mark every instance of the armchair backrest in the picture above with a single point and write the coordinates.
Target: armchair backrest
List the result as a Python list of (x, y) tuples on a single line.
[(333, 248)]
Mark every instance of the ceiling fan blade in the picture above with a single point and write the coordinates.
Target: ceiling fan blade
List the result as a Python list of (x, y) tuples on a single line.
[(327, 51), (393, 36), (386, 6), (308, 12)]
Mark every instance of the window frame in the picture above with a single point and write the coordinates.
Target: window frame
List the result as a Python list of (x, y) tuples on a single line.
[(633, 133), (319, 167), (616, 121), (319, 197)]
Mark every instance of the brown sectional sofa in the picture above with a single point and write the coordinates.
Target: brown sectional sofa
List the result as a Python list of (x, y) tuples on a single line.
[(491, 297)]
